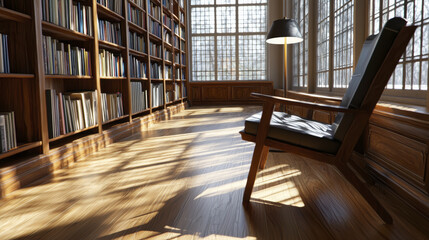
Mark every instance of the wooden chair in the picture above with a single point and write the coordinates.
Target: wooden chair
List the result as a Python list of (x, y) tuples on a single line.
[(331, 143)]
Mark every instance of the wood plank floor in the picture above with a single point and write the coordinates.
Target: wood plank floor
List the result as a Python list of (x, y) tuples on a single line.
[(184, 179)]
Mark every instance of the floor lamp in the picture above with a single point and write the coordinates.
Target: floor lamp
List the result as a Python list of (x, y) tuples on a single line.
[(284, 31)]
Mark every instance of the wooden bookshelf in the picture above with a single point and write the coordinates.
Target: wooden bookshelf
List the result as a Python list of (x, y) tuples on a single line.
[(25, 86)]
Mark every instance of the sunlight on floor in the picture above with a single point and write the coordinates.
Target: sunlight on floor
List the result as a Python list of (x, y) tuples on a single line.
[(274, 184)]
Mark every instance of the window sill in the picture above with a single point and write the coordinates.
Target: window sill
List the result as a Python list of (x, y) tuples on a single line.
[(385, 108)]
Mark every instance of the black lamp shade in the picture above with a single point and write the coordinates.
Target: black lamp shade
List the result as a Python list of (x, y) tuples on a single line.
[(284, 28)]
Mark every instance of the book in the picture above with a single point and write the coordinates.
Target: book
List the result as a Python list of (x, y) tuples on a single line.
[(3, 145)]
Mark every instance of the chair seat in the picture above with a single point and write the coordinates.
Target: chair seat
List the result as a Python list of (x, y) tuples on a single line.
[(297, 131)]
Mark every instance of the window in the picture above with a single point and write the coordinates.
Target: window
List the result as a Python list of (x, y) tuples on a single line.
[(334, 53), (300, 65), (411, 73), (333, 32), (342, 53), (228, 40), (323, 44)]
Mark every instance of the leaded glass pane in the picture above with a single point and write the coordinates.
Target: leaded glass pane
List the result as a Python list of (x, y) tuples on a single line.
[(225, 20), (202, 20), (203, 58), (252, 57), (252, 18), (226, 68)]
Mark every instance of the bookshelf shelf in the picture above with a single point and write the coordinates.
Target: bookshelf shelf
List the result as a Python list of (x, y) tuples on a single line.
[(8, 14), (156, 59), (140, 112), (116, 119), (16, 75), (72, 133), (113, 78), (154, 19), (62, 33), (110, 46), (136, 6), (168, 45), (107, 13), (138, 79), (21, 148), (67, 77), (137, 53), (154, 38), (134, 27)]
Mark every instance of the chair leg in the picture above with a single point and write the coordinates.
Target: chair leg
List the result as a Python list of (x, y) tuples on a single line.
[(364, 191), (257, 155), (264, 157)]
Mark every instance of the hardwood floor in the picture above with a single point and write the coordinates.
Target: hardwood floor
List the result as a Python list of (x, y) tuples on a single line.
[(184, 179)]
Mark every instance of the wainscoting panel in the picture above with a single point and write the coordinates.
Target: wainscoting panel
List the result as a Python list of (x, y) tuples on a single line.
[(211, 93)]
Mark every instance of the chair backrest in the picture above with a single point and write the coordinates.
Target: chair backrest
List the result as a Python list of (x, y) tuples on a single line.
[(374, 53)]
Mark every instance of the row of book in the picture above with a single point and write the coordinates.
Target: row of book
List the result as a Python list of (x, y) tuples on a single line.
[(111, 64), (111, 106), (110, 32), (157, 94), (68, 14), (113, 5), (177, 74), (166, 20), (176, 58), (176, 91), (184, 90), (4, 54), (168, 72), (182, 32), (154, 10), (168, 56), (136, 16), (167, 37), (182, 17), (155, 49), (69, 112), (156, 70), (183, 59), (137, 42), (155, 28), (176, 28), (176, 42), (138, 97), (137, 68), (169, 95), (7, 131), (65, 59), (166, 3), (139, 3)]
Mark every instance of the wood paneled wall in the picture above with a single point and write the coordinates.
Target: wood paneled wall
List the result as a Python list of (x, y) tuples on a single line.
[(227, 92)]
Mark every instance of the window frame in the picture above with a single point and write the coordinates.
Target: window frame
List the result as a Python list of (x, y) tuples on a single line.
[(361, 29), (236, 35)]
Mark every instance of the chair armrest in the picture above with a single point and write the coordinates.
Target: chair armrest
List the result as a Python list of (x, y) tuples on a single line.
[(313, 97), (294, 102)]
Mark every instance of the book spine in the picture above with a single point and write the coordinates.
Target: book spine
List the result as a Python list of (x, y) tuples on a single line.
[(3, 144)]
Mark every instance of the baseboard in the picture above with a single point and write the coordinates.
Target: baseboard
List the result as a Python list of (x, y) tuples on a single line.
[(42, 168)]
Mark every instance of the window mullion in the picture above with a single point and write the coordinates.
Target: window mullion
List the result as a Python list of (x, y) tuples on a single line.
[(237, 76), (331, 46), (215, 42)]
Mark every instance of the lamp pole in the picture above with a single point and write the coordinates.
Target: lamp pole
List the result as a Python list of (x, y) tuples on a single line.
[(285, 69)]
